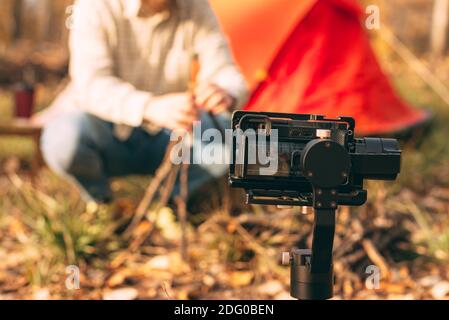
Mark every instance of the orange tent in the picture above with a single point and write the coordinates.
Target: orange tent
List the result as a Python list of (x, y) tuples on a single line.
[(257, 30), (313, 56)]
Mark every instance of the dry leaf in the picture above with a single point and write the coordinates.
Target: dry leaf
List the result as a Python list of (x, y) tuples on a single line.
[(394, 288), (119, 277), (172, 263), (182, 295), (141, 229), (348, 288), (120, 259), (240, 278), (284, 296), (125, 207), (150, 293), (231, 227), (121, 294), (271, 288), (408, 296), (41, 294), (429, 281), (440, 290), (159, 263), (18, 229), (166, 222), (208, 280)]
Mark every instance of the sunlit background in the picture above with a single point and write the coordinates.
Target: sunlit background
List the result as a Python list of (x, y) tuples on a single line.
[(233, 249)]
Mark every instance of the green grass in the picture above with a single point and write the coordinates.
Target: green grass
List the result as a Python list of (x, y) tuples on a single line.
[(425, 167), (61, 231)]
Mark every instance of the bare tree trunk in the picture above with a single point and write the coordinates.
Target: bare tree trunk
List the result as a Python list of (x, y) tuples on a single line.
[(43, 12), (439, 27), (6, 24), (17, 13)]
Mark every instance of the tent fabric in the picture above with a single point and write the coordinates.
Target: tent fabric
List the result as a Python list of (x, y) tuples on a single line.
[(258, 29), (326, 66)]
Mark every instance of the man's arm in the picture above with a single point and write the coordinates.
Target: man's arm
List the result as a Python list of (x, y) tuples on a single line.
[(99, 90), (217, 64)]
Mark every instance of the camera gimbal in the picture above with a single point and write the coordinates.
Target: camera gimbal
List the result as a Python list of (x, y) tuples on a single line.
[(321, 165)]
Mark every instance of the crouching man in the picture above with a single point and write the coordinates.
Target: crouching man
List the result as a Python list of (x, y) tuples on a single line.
[(129, 74)]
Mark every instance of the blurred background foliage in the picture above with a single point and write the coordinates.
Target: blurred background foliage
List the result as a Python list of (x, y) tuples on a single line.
[(233, 248)]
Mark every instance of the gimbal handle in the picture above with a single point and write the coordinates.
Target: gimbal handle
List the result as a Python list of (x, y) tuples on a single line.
[(312, 275), (312, 270), (323, 241)]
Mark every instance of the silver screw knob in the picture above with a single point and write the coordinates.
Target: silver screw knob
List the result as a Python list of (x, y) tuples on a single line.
[(323, 133), (285, 258), (306, 210)]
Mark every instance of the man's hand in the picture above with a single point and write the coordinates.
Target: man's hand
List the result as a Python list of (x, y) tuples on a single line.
[(172, 111), (212, 98)]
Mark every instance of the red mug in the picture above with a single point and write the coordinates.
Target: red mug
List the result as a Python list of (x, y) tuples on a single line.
[(24, 100)]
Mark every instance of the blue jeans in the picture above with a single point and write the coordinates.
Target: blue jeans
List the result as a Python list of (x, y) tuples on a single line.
[(84, 149)]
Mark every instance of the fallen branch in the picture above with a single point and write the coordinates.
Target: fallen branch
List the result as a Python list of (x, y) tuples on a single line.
[(376, 257), (150, 192)]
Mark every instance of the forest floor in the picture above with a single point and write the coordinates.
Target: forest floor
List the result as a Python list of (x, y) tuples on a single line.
[(233, 249)]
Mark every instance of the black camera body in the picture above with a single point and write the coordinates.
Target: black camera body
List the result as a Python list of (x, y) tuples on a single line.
[(309, 161), (369, 158)]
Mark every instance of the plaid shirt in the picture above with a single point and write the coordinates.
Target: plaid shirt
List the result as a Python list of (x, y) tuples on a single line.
[(122, 58)]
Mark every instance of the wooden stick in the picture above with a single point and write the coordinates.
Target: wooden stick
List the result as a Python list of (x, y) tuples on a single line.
[(181, 201), (150, 192), (163, 175), (194, 72), (376, 257), (165, 193)]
